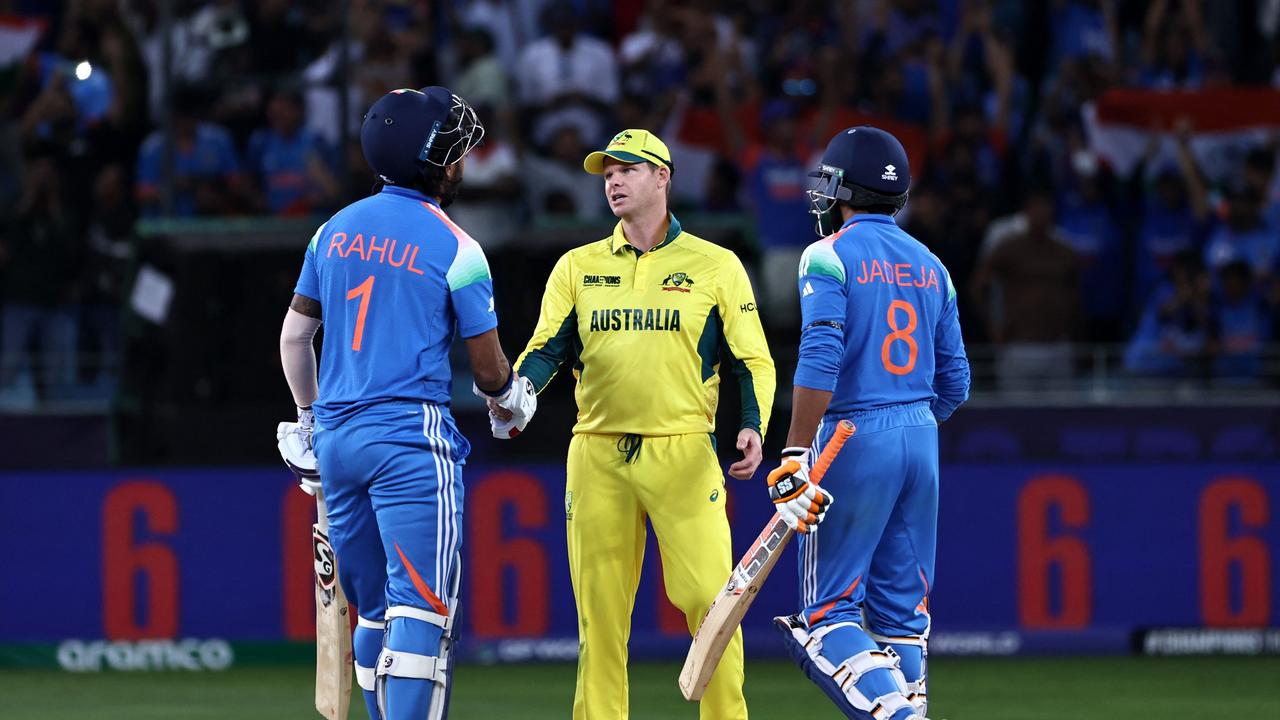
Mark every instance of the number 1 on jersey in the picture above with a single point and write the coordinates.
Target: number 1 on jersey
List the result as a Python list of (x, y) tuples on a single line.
[(900, 334), (363, 291)]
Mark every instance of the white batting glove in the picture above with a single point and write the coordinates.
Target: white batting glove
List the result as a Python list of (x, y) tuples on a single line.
[(800, 503), (293, 439), (511, 409)]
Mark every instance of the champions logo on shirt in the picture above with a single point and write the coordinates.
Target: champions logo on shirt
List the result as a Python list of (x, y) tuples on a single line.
[(637, 319), (601, 281)]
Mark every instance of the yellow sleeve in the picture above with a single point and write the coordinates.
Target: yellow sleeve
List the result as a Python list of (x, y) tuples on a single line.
[(555, 339), (746, 347)]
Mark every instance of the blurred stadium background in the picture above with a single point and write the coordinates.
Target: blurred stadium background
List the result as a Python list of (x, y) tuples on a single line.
[(1099, 176)]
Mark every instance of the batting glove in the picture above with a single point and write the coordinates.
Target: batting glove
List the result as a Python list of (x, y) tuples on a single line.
[(518, 401), (800, 503), (293, 439)]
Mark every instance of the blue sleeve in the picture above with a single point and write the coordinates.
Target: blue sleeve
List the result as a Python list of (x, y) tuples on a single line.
[(309, 279), (951, 374), (823, 304), (148, 168), (253, 154), (471, 289), (321, 150), (228, 161)]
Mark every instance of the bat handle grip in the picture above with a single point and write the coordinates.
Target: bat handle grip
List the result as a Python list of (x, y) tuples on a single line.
[(844, 430), (322, 512)]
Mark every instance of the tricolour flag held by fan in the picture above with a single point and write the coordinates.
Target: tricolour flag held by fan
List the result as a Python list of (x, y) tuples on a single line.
[(18, 37), (1226, 123)]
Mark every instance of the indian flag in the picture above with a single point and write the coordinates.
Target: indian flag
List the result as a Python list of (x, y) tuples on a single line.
[(1226, 124), (18, 36)]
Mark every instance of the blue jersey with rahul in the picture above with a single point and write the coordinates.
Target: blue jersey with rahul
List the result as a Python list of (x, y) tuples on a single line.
[(395, 278), (879, 319)]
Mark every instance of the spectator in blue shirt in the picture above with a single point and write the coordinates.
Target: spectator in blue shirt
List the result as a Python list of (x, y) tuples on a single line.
[(1260, 175), (1172, 336), (1169, 226), (1244, 235), (775, 175), (1173, 47), (1241, 324), (1082, 28), (206, 171), (290, 162), (1086, 224)]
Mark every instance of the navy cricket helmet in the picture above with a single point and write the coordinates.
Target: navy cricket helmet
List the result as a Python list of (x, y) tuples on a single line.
[(408, 129), (864, 166)]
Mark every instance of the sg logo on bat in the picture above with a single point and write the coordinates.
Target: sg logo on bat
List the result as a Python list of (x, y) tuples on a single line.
[(326, 576)]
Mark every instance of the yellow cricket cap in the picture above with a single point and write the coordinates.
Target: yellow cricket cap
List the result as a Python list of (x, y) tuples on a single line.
[(631, 146)]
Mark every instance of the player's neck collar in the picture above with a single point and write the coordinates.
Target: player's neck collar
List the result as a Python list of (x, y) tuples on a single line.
[(867, 217), (619, 239), (409, 193)]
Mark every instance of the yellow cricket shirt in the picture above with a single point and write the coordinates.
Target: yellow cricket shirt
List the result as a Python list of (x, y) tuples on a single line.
[(645, 333)]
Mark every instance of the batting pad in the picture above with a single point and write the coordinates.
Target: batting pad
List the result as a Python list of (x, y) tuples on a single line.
[(865, 683)]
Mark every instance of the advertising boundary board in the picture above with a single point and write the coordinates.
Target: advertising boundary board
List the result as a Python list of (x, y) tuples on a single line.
[(164, 568)]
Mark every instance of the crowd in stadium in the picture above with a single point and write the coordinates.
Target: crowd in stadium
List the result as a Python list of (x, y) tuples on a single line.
[(1049, 243)]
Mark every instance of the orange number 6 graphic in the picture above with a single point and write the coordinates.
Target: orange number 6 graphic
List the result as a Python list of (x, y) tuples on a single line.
[(365, 289), (903, 334)]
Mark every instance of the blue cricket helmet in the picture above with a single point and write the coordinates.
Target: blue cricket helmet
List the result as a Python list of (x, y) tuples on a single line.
[(406, 129), (864, 166)]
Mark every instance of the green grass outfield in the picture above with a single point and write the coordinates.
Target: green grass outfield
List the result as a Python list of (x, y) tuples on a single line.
[(960, 689)]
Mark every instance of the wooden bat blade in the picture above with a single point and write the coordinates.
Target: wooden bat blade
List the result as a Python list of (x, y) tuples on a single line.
[(333, 633), (731, 605)]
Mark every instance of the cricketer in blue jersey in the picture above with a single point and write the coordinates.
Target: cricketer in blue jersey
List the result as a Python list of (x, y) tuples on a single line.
[(880, 346), (394, 280)]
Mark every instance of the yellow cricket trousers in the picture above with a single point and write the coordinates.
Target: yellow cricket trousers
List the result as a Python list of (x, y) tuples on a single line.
[(614, 483)]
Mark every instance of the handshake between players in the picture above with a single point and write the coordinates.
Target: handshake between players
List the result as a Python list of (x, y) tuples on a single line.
[(510, 407)]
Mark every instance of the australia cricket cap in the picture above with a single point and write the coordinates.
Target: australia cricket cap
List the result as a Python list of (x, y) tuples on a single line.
[(631, 146)]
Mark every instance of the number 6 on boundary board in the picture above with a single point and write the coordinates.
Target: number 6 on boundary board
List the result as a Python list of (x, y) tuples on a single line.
[(727, 610)]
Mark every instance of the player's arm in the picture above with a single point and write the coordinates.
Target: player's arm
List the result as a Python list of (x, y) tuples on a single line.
[(951, 376), (556, 335), (488, 362), (298, 360), (301, 321), (297, 352), (823, 300), (471, 296), (747, 352)]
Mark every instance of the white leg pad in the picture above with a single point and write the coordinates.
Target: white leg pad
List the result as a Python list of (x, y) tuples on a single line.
[(886, 705), (847, 673), (921, 640), (852, 669), (815, 637), (916, 691), (425, 616), (402, 664), (371, 624), (366, 677), (918, 697)]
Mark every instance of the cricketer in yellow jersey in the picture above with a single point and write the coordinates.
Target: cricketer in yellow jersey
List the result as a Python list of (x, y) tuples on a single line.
[(644, 316)]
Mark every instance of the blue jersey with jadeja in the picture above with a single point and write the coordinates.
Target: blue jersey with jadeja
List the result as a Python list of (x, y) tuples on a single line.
[(395, 278), (879, 321)]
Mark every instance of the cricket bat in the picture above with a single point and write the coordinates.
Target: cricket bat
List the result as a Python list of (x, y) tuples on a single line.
[(333, 625), (729, 607)]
